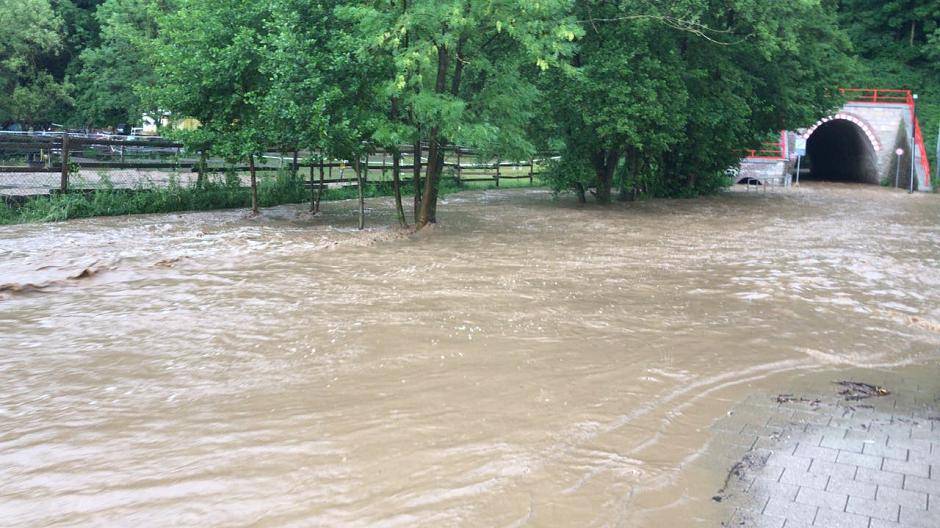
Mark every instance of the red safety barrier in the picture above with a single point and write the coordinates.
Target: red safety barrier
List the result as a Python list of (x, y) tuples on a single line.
[(770, 150)]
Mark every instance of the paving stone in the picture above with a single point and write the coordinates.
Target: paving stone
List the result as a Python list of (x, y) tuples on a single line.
[(925, 434), (879, 523), (811, 417), (921, 446), (747, 518), (845, 444), (817, 432), (912, 518), (838, 519), (789, 461), (871, 462), (804, 479), (908, 468), (794, 511), (844, 471), (882, 478), (783, 421), (897, 453), (906, 498), (853, 488), (764, 488), (826, 499), (844, 422), (815, 452), (796, 524), (866, 435), (892, 429), (873, 508), (924, 485), (925, 458)]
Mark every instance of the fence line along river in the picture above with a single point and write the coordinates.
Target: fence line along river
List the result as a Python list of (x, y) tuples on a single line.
[(527, 362)]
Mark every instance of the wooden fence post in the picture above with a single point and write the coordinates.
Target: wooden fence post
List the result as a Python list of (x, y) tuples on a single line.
[(64, 184), (497, 173), (457, 170), (531, 170)]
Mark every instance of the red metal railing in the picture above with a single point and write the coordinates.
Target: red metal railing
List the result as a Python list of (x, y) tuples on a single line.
[(876, 95), (905, 97), (772, 150)]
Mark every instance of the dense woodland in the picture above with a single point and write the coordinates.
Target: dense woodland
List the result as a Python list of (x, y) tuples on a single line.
[(639, 97)]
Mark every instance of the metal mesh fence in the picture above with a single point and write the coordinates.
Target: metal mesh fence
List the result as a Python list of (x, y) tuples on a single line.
[(47, 163)]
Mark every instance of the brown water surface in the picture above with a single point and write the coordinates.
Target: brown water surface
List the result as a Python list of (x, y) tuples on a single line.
[(527, 363)]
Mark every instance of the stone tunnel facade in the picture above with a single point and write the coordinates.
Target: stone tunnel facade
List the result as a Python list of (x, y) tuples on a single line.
[(859, 144), (856, 144)]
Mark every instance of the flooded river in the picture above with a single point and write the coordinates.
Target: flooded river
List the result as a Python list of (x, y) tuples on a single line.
[(529, 362)]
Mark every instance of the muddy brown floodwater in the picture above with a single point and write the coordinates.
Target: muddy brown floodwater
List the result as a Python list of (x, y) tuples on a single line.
[(527, 363)]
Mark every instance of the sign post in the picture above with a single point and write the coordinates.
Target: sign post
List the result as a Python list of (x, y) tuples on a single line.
[(800, 152), (897, 173), (913, 144)]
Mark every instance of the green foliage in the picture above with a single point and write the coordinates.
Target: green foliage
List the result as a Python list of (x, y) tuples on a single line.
[(666, 98), (898, 44), (113, 73), (31, 31), (207, 65)]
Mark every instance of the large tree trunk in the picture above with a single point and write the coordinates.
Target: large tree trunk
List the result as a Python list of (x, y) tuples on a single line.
[(428, 213), (632, 167), (201, 178), (316, 190), (320, 188), (396, 166), (416, 177), (437, 142), (605, 163), (254, 184), (357, 166), (435, 150), (579, 191), (396, 186)]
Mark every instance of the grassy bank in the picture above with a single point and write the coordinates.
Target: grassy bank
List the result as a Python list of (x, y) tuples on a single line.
[(272, 190)]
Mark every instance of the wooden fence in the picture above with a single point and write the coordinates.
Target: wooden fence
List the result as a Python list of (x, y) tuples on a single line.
[(64, 162)]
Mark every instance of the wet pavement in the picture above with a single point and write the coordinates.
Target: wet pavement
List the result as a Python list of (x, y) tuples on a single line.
[(820, 458)]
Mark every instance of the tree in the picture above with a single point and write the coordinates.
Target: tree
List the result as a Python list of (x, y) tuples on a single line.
[(668, 98), (458, 71), (322, 95), (208, 66), (113, 72), (31, 30), (898, 46)]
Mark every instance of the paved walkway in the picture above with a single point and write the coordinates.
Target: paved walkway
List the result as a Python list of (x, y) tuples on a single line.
[(822, 460)]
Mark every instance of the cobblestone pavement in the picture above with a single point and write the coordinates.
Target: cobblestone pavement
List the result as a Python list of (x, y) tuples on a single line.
[(822, 460)]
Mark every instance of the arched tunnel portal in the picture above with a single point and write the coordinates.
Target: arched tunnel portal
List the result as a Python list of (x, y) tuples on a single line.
[(841, 150)]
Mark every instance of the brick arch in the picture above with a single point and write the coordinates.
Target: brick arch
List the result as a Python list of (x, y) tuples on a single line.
[(854, 119)]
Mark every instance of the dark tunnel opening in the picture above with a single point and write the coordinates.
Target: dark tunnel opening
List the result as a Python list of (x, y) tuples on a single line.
[(840, 151)]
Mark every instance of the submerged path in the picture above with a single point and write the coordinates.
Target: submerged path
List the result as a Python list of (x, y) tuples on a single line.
[(529, 362)]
